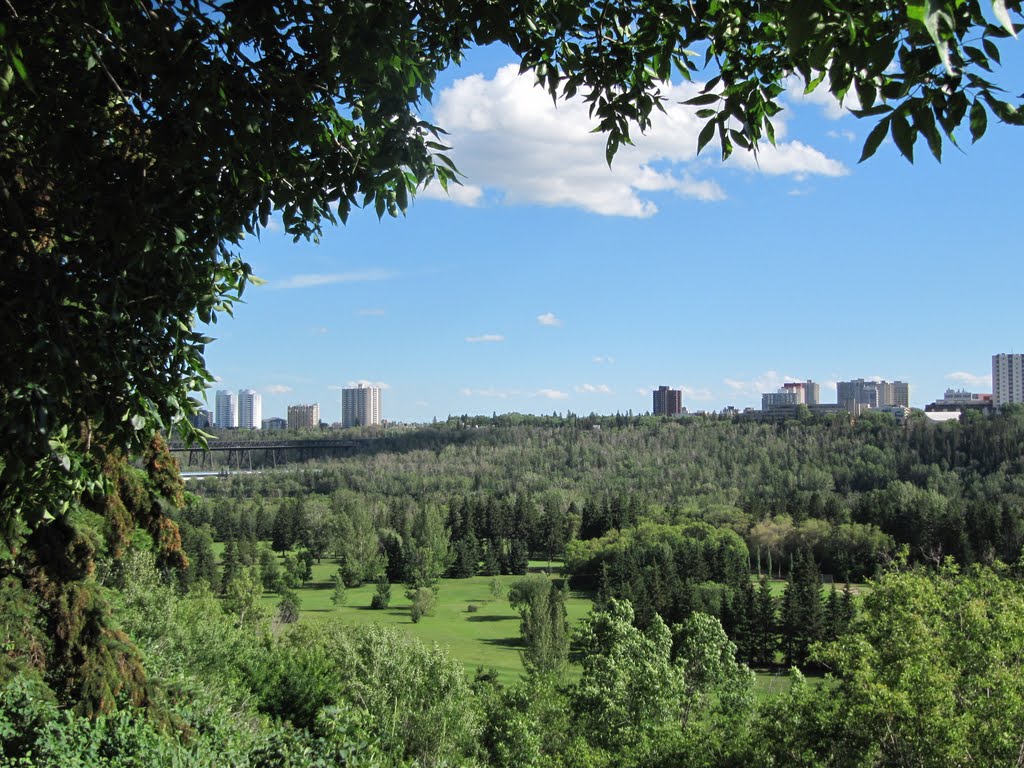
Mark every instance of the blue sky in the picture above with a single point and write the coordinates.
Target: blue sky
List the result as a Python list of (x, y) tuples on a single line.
[(551, 283)]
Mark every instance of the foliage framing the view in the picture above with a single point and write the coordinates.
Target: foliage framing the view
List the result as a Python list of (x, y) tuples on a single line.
[(142, 141)]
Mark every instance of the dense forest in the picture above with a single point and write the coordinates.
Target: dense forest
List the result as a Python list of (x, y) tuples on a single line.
[(673, 526)]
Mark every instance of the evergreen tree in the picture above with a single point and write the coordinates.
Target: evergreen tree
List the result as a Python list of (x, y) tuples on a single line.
[(764, 643), (288, 608), (802, 612), (338, 594), (518, 558), (230, 566), (381, 595), (491, 565)]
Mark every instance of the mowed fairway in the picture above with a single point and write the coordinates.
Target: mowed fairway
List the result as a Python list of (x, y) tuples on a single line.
[(488, 637)]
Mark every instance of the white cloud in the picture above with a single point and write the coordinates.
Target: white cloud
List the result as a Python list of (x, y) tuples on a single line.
[(487, 337), (366, 383), (692, 393), (319, 331), (552, 394), (422, 403), (600, 359), (371, 312), (795, 159), (769, 381), (516, 146), (603, 389), (821, 97), (468, 195), (489, 392), (278, 389), (309, 281), (548, 318), (970, 379), (335, 387)]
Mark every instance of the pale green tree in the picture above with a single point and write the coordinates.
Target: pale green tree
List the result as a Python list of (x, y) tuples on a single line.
[(544, 624)]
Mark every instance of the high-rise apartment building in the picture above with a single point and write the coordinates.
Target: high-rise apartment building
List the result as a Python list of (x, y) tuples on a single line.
[(304, 416), (858, 394), (360, 406), (250, 409), (786, 396), (226, 409), (812, 393), (668, 402), (1007, 379)]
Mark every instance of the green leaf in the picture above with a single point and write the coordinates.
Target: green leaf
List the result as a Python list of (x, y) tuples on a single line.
[(706, 133), (931, 14), (903, 135), (999, 9), (991, 49), (874, 139), (979, 120), (703, 100)]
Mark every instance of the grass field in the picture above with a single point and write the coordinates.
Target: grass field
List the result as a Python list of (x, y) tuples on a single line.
[(488, 637)]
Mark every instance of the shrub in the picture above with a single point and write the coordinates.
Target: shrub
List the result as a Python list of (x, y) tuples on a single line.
[(423, 600)]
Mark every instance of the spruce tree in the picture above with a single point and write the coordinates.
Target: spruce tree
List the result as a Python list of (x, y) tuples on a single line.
[(763, 638)]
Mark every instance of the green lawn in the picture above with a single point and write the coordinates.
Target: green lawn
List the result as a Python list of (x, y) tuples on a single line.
[(489, 636)]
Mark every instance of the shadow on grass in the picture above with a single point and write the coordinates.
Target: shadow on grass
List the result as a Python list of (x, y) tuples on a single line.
[(477, 617), (504, 642), (382, 611)]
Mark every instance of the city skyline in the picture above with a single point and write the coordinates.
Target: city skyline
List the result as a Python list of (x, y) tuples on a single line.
[(549, 282)]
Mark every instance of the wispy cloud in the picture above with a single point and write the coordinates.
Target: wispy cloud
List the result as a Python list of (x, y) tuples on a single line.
[(600, 359), (489, 392), (552, 394), (603, 389), (970, 379), (485, 338), (548, 318), (312, 280), (695, 393), (278, 389), (371, 312), (848, 135), (769, 381), (319, 330)]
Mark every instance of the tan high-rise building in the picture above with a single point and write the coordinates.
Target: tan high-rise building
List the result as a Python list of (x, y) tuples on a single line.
[(304, 416), (360, 406)]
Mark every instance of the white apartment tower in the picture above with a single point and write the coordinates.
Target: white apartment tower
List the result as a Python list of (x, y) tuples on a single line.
[(226, 409), (250, 409), (360, 406), (1007, 379)]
